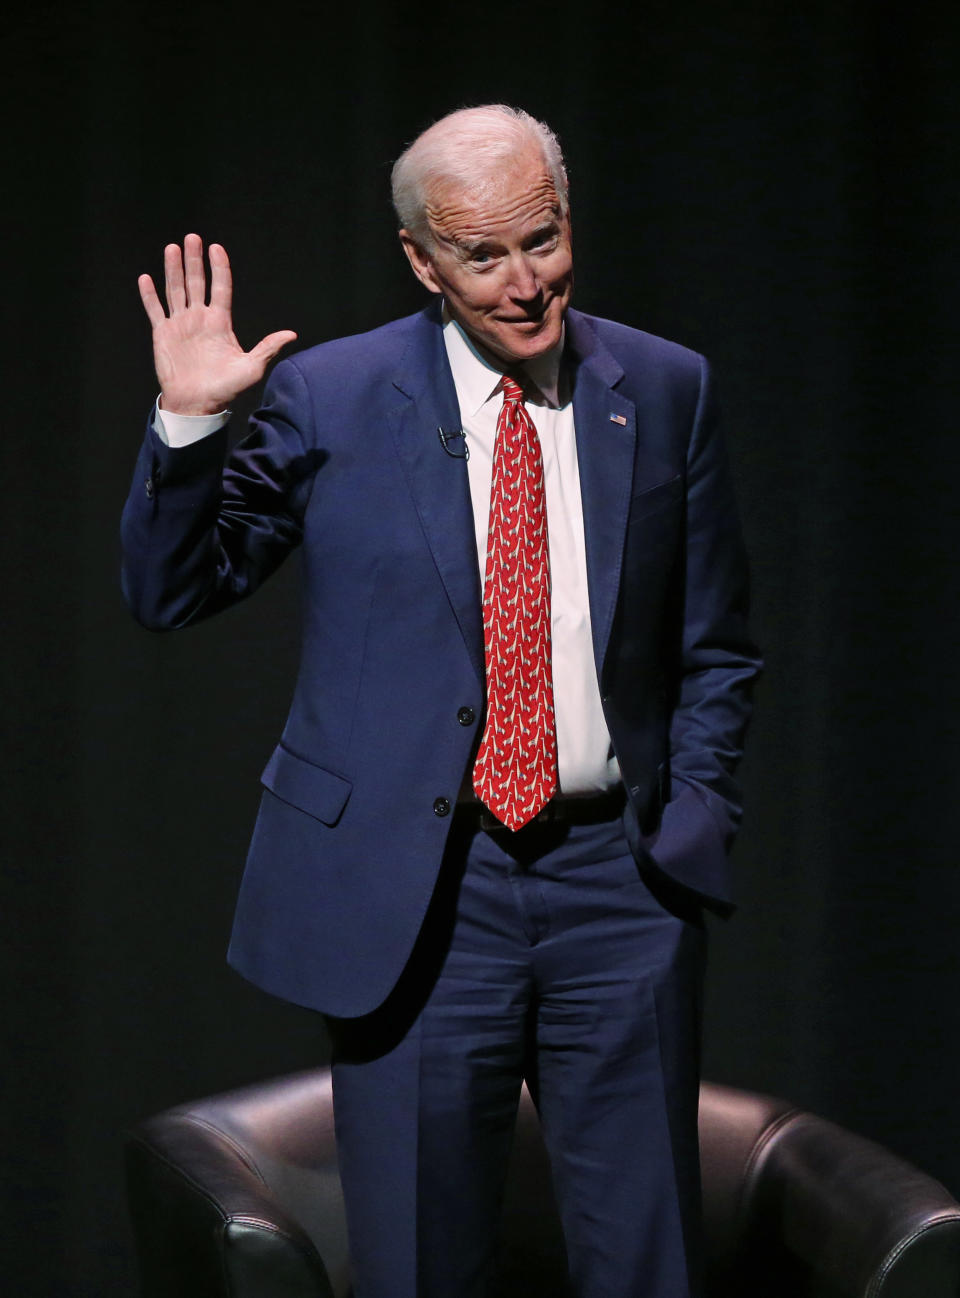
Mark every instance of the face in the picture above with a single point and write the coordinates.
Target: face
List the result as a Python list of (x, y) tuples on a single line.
[(501, 257)]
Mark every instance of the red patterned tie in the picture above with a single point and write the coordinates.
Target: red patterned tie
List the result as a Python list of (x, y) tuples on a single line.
[(515, 773)]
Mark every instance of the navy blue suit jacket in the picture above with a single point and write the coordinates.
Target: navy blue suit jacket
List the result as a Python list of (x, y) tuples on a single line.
[(344, 459)]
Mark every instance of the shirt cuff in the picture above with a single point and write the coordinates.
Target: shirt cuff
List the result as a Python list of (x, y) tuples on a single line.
[(182, 430)]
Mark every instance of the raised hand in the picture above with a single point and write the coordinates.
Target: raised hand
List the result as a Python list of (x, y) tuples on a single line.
[(200, 365)]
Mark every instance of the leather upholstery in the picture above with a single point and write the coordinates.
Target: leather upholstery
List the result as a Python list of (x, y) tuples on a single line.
[(238, 1195)]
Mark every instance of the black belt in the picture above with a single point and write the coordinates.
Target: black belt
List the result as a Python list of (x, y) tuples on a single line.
[(558, 811)]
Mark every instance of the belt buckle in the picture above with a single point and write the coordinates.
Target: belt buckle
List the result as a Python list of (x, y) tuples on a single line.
[(552, 811)]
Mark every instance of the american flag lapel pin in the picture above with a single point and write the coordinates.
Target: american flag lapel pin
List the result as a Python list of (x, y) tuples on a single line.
[(618, 419)]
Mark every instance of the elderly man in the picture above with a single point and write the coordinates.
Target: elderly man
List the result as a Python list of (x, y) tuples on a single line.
[(505, 786)]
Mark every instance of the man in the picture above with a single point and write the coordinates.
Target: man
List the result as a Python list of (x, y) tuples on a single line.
[(505, 786)]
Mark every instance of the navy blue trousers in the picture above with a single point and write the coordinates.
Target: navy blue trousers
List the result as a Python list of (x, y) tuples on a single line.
[(547, 957)]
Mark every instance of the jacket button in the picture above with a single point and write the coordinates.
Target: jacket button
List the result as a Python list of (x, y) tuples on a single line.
[(148, 488), (466, 716), (441, 806)]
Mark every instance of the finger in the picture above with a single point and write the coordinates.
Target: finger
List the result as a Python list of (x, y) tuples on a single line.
[(173, 277), (221, 277), (151, 303), (195, 280), (268, 347)]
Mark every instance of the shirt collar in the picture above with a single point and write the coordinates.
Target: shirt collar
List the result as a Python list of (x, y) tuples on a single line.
[(477, 374)]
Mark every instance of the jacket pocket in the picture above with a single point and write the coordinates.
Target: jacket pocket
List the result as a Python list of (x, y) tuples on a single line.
[(655, 498), (310, 788)]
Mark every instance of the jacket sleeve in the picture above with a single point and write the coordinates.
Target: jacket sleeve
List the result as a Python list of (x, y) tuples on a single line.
[(202, 529), (718, 664)]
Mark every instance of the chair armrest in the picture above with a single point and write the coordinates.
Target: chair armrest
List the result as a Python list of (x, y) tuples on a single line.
[(861, 1221), (206, 1225)]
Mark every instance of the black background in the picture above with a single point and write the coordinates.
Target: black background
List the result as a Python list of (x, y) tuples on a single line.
[(774, 185)]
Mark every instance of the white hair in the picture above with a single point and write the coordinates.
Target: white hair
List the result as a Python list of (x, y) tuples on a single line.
[(463, 146)]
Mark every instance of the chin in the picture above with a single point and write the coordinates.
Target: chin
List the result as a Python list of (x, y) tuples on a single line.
[(524, 346)]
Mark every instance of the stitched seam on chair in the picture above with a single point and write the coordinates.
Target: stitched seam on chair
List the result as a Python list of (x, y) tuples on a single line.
[(226, 1219), (769, 1134), (184, 1176), (246, 1219), (888, 1262), (238, 1149), (191, 1180), (309, 1254), (758, 1154)]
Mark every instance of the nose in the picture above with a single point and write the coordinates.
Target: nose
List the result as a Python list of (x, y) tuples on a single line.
[(524, 284)]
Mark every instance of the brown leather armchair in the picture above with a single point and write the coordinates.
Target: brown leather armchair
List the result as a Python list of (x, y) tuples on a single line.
[(238, 1195)]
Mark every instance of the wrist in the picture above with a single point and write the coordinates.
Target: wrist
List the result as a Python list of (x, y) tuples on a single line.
[(192, 409)]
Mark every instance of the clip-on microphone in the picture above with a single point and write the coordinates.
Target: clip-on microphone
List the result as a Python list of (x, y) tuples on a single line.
[(447, 438)]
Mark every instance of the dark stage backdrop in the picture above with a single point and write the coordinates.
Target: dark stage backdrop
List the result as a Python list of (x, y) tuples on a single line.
[(775, 185)]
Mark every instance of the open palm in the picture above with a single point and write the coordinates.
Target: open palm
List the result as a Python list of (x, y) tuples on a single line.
[(200, 364)]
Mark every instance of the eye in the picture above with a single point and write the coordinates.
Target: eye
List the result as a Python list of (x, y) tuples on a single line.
[(480, 257), (543, 239)]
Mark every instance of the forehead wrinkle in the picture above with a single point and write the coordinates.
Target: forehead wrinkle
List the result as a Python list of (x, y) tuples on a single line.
[(466, 215)]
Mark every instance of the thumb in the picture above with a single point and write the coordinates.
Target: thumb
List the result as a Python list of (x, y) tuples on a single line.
[(268, 347)]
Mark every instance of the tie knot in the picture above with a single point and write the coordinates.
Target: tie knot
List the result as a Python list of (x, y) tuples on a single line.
[(512, 390)]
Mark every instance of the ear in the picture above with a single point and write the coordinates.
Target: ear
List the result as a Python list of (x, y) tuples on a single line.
[(420, 262)]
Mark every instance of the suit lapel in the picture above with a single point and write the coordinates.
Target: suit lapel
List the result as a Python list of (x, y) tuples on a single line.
[(606, 448), (440, 487), (437, 478)]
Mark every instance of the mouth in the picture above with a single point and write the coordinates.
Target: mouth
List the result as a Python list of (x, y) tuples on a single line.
[(528, 321)]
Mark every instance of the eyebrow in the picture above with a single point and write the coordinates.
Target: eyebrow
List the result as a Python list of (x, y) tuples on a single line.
[(466, 250), (545, 228), (469, 248)]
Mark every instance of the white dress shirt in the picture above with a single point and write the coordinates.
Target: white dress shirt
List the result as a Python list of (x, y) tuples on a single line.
[(585, 759)]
